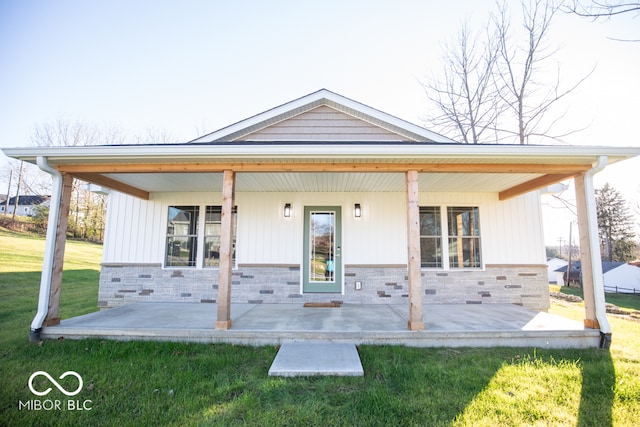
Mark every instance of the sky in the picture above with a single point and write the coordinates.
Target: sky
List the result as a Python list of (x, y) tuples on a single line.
[(181, 69)]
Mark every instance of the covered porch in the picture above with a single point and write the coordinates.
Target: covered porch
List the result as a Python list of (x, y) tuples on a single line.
[(504, 172), (446, 325), (325, 155)]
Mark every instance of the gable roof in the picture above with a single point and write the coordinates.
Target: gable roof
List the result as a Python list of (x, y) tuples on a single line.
[(576, 266), (325, 160), (29, 200), (406, 131)]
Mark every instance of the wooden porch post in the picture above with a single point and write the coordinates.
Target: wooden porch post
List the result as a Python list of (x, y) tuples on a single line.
[(416, 322), (53, 317), (586, 255), (226, 251)]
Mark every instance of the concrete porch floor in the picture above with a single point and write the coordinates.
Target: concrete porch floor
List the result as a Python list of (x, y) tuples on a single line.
[(481, 325)]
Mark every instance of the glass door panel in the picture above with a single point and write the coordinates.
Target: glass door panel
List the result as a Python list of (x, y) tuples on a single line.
[(322, 262)]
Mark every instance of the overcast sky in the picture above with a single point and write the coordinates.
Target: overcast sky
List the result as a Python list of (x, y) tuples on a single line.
[(191, 67)]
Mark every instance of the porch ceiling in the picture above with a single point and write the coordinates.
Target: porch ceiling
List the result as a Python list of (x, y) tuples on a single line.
[(323, 181)]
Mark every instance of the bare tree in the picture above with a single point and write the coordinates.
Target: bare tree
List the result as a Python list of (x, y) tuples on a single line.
[(503, 84), (65, 133), (87, 208), (604, 9), (466, 96), (154, 135), (528, 98)]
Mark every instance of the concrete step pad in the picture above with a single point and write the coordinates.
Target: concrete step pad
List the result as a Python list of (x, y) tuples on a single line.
[(316, 359)]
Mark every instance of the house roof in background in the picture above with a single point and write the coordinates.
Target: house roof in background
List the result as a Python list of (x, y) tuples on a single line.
[(606, 266), (29, 200)]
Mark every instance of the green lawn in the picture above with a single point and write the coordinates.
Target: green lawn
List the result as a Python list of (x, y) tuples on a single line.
[(148, 383), (624, 301)]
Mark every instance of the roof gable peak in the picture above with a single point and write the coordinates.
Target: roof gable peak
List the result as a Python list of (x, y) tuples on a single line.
[(323, 97)]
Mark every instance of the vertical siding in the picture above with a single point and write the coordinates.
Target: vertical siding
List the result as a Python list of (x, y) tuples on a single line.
[(511, 230), (265, 236)]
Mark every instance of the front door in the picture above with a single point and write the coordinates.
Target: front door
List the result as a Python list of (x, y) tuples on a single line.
[(322, 264)]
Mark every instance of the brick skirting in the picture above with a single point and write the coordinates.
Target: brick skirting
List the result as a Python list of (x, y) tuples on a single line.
[(524, 285)]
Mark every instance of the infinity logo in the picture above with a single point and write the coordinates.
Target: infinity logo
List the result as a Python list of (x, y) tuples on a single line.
[(55, 383)]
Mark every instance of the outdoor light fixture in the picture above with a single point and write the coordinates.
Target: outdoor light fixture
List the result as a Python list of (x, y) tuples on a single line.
[(287, 210), (357, 210)]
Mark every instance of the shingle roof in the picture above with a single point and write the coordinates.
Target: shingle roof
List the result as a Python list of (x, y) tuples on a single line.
[(29, 200)]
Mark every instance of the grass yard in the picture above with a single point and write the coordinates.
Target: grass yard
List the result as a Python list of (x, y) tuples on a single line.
[(169, 384)]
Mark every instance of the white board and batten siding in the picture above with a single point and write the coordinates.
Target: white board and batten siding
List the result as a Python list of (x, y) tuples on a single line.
[(510, 230)]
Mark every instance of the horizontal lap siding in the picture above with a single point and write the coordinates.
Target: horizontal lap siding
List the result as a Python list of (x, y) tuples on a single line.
[(323, 123)]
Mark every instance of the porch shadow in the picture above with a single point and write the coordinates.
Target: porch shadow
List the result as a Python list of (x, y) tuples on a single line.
[(598, 385)]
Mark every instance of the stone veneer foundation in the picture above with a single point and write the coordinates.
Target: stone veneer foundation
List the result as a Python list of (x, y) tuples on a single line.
[(525, 285)]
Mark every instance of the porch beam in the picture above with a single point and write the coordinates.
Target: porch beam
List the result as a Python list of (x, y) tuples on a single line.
[(113, 184), (226, 251), (532, 185), (416, 322), (401, 167), (53, 317)]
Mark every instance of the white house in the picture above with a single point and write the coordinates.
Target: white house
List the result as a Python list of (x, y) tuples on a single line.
[(26, 205), (554, 264), (625, 278), (324, 199), (619, 277)]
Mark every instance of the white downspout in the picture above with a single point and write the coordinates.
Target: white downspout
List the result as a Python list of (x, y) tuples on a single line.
[(47, 264), (594, 243)]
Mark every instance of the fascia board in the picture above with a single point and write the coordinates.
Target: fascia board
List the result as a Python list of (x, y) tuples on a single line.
[(167, 153)]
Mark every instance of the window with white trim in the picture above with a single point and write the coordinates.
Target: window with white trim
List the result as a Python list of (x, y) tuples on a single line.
[(461, 231), (182, 236), (185, 236), (464, 237), (430, 237), (212, 227)]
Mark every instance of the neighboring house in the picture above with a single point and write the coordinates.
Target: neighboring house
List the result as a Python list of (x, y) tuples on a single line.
[(324, 199), (554, 264), (623, 277), (26, 205)]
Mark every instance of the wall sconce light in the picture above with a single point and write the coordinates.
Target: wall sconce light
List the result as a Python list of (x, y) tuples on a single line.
[(357, 210), (287, 210)]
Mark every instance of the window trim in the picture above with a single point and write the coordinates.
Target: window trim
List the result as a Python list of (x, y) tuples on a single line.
[(436, 237), (199, 237), (445, 236), (201, 262), (194, 221)]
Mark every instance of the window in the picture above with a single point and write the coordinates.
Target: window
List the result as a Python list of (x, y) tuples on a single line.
[(430, 237), (182, 236), (212, 225), (464, 237)]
